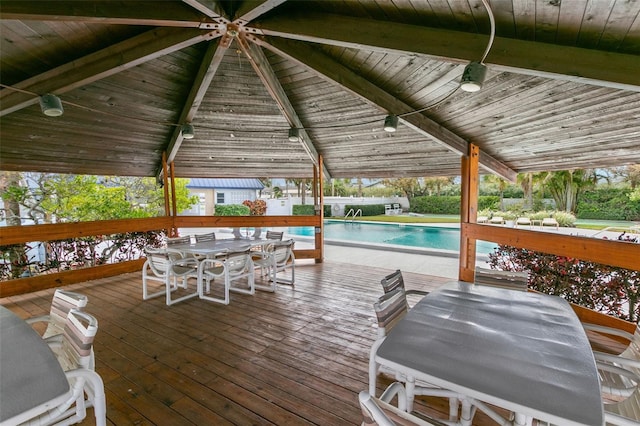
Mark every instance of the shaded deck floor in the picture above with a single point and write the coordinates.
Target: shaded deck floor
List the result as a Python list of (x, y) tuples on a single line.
[(294, 357)]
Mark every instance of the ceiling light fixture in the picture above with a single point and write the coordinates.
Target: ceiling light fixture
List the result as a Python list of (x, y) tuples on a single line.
[(294, 135), (187, 131), (391, 123), (51, 105), (475, 72)]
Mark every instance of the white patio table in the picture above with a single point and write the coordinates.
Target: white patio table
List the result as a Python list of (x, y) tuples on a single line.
[(31, 379), (522, 351), (212, 248)]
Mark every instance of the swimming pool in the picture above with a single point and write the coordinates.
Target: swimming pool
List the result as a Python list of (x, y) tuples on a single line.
[(403, 235)]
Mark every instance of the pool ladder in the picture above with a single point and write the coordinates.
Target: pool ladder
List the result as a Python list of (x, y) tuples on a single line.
[(355, 214)]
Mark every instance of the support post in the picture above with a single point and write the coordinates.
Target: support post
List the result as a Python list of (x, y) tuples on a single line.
[(468, 212), (319, 202)]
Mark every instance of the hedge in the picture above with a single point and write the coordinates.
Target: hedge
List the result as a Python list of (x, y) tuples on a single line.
[(450, 204), (607, 204), (232, 210), (304, 210)]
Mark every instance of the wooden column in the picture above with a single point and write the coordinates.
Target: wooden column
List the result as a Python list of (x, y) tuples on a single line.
[(468, 212), (165, 184), (319, 202)]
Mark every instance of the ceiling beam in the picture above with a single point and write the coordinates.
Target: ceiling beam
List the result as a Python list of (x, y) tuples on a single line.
[(101, 64), (249, 11), (326, 68), (171, 14), (268, 77), (208, 67), (211, 8), (576, 64)]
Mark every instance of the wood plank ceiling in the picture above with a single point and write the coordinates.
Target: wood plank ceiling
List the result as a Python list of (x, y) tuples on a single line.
[(562, 89)]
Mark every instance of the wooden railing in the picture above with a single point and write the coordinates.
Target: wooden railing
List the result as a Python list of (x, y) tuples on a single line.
[(50, 232)]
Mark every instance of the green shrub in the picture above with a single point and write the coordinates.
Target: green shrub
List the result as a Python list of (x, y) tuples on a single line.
[(232, 210), (367, 209), (436, 205), (304, 210), (327, 210), (608, 204), (488, 202), (565, 219)]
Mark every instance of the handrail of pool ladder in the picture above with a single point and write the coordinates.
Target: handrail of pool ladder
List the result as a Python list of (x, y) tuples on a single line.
[(355, 214)]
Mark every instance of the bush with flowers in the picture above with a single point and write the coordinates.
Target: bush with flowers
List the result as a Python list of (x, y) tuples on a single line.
[(257, 207), (603, 288)]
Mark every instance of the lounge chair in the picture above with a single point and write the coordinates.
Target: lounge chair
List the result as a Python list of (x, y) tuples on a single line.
[(523, 220), (497, 220), (549, 221), (482, 219)]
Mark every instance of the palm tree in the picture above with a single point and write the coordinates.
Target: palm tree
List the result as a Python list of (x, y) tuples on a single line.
[(566, 185)]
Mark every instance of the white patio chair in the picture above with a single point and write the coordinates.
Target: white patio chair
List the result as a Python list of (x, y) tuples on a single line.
[(167, 266), (229, 266), (619, 377), (205, 238), (380, 411), (550, 221), (390, 309), (395, 280), (75, 354), (63, 301), (274, 235), (277, 258), (503, 279), (210, 269)]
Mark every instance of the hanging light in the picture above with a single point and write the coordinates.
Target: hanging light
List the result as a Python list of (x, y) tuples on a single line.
[(473, 77), (391, 123), (51, 105), (187, 131), (474, 72), (294, 135)]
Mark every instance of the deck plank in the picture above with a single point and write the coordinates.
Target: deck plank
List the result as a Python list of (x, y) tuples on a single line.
[(296, 357)]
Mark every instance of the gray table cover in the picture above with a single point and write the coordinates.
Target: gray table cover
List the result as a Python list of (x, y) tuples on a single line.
[(523, 351), (30, 374)]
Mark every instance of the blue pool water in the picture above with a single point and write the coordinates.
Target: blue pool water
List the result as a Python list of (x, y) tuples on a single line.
[(429, 237)]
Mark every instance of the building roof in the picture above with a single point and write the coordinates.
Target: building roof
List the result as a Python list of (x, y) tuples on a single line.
[(562, 89), (226, 183)]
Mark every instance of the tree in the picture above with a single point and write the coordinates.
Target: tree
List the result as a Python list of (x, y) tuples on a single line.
[(408, 187), (87, 198), (565, 186), (526, 183), (501, 185)]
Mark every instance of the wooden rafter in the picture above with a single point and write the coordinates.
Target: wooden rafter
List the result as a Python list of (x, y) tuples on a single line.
[(595, 67), (101, 64), (249, 11), (210, 63), (327, 68), (121, 13), (261, 66)]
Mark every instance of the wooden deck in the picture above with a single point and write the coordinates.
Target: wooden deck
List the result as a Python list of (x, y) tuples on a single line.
[(294, 357)]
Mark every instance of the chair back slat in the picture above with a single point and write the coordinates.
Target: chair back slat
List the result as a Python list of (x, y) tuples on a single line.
[(274, 235), (391, 308), (392, 281), (63, 301), (79, 332), (204, 238), (505, 279), (178, 240)]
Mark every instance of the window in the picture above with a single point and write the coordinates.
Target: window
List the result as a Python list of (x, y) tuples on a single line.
[(220, 198)]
